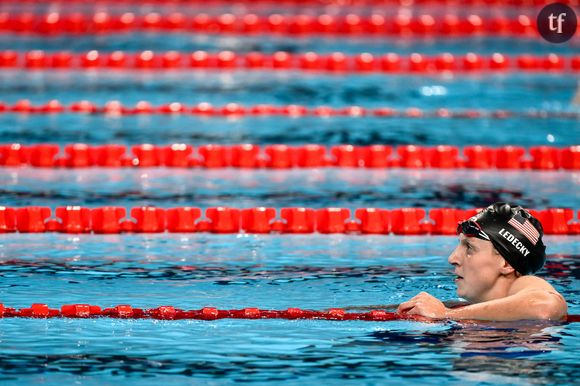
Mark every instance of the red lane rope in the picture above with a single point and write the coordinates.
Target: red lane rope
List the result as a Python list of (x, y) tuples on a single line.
[(449, 25), (403, 221), (113, 107), (250, 156), (336, 62), (342, 3), (84, 311)]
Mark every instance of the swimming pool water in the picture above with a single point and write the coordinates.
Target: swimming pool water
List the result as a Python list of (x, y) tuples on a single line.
[(525, 93), (275, 271), (322, 188)]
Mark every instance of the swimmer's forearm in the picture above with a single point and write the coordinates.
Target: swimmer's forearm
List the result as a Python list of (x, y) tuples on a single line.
[(521, 306)]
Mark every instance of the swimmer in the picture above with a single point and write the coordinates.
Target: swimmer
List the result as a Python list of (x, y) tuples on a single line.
[(499, 250)]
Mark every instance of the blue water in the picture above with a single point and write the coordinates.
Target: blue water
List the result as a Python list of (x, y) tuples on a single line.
[(276, 272), (239, 43), (350, 188), (524, 93), (273, 271)]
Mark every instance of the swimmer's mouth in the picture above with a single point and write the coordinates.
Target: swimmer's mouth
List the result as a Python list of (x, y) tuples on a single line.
[(457, 277)]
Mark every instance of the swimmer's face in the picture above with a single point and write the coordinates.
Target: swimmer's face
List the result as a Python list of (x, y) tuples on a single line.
[(477, 268)]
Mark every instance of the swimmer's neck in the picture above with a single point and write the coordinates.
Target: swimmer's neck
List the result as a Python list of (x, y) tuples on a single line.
[(502, 287)]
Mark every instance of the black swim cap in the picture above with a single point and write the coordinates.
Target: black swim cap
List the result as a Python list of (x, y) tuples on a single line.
[(513, 231)]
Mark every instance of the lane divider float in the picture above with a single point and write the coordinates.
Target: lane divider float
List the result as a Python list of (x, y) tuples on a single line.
[(261, 220), (337, 62), (494, 4), (380, 24), (249, 156), (125, 311), (115, 108)]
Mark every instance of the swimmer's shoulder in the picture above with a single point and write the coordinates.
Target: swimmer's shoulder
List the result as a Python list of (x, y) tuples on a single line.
[(538, 292), (530, 282)]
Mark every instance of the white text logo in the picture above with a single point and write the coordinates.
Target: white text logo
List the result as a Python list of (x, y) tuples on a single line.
[(559, 19)]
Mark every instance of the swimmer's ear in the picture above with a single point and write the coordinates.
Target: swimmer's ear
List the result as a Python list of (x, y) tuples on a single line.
[(506, 268)]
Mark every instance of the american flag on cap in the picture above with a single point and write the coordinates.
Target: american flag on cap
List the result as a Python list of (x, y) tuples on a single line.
[(525, 227)]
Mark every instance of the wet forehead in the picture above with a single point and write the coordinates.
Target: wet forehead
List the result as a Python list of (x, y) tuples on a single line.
[(475, 242)]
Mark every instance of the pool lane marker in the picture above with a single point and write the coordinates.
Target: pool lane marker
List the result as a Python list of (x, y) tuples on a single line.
[(335, 62), (115, 108), (84, 311), (378, 24), (345, 4), (249, 156), (261, 220)]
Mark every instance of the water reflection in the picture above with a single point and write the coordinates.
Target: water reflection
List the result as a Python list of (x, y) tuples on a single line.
[(443, 353), (315, 188), (487, 350), (503, 339), (562, 269), (221, 274)]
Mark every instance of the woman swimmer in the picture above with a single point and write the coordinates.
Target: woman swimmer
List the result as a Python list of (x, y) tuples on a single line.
[(499, 250)]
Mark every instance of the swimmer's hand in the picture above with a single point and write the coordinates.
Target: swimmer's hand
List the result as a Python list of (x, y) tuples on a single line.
[(424, 304)]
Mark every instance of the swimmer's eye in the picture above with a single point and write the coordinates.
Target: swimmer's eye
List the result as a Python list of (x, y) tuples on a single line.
[(468, 247)]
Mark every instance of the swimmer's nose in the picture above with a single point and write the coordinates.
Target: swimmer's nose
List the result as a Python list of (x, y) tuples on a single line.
[(453, 258)]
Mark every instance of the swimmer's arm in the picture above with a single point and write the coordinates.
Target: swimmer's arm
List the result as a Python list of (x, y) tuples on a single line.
[(526, 304), (529, 298)]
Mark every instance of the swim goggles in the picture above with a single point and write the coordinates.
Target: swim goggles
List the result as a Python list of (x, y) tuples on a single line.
[(472, 229)]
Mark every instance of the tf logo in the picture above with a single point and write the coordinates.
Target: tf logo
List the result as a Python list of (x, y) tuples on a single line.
[(557, 23)]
